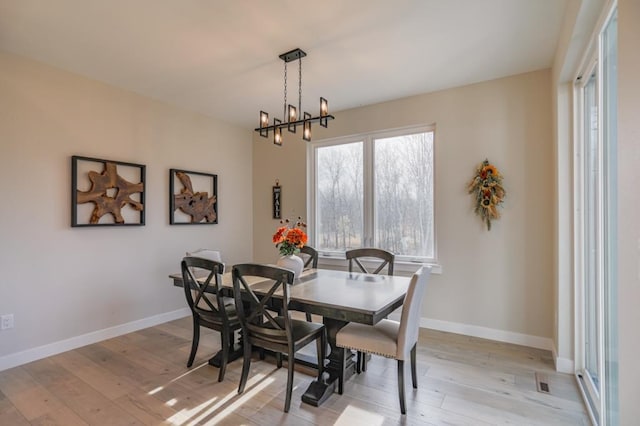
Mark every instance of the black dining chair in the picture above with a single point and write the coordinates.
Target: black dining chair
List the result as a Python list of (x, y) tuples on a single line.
[(210, 255), (208, 307), (262, 327), (355, 256), (311, 260)]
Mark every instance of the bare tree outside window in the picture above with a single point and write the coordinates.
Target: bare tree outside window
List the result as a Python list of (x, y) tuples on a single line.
[(403, 176), (400, 188), (339, 192)]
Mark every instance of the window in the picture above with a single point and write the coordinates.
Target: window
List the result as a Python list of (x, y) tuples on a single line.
[(375, 190), (596, 228)]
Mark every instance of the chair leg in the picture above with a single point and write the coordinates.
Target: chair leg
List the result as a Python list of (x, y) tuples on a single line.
[(321, 345), (194, 341), (414, 375), (341, 371), (290, 365), (246, 365), (358, 362), (224, 337), (364, 362), (403, 409), (279, 360)]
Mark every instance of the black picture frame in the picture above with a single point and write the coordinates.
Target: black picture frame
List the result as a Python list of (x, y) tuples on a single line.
[(193, 198), (115, 188), (276, 197)]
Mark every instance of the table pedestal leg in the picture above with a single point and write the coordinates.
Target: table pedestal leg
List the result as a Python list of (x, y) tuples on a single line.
[(340, 364), (235, 352)]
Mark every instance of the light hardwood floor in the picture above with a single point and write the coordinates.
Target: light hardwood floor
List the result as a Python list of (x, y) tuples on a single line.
[(141, 378)]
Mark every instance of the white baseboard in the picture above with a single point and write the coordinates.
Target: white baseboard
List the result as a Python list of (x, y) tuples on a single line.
[(19, 358), (563, 365), (484, 333)]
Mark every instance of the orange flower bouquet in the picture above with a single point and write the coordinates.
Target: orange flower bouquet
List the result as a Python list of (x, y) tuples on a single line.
[(488, 192), (290, 238)]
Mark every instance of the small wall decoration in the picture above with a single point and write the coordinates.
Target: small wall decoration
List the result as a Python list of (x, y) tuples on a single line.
[(277, 201), (106, 193), (486, 187), (189, 206)]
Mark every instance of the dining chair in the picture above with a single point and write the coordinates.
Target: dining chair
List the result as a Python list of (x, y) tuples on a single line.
[(206, 254), (207, 305), (392, 339), (263, 328), (310, 261), (355, 256), (216, 257)]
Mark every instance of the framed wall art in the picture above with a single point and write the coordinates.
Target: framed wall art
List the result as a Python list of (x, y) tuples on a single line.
[(106, 192), (193, 198)]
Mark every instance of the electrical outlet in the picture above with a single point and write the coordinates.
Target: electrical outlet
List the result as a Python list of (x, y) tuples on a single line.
[(7, 321)]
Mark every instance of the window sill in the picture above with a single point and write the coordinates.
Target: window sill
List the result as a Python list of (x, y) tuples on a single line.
[(400, 267)]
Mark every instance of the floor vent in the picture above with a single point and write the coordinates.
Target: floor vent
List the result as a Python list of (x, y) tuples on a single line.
[(542, 383)]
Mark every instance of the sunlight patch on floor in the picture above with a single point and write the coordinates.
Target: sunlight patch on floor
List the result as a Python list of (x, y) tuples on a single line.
[(155, 391), (363, 417), (244, 397), (159, 388), (197, 414)]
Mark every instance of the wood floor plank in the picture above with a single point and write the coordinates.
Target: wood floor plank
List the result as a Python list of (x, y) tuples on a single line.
[(146, 408), (142, 378), (88, 403), (9, 414), (32, 399), (487, 401), (111, 385)]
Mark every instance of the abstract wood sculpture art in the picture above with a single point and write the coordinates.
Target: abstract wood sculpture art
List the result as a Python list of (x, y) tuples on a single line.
[(198, 205), (102, 185)]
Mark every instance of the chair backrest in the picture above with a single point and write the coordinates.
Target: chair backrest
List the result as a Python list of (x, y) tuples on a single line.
[(312, 260), (354, 256), (410, 319), (257, 317), (202, 280)]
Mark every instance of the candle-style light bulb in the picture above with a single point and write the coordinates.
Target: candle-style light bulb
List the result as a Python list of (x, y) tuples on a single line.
[(277, 132), (324, 107), (324, 111), (306, 127)]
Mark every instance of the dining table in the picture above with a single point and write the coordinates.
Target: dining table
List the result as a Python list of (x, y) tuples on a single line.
[(339, 297)]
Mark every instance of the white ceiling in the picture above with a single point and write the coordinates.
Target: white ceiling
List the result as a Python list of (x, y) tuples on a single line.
[(221, 57)]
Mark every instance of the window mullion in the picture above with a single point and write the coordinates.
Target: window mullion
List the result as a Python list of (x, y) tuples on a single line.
[(368, 195)]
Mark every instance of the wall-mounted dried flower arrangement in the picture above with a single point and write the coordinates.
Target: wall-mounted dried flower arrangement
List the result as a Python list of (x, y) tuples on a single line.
[(488, 191)]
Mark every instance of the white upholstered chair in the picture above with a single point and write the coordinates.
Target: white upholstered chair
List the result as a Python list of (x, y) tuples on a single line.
[(392, 339), (206, 254)]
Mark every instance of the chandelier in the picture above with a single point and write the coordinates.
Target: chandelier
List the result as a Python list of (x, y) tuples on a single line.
[(290, 115)]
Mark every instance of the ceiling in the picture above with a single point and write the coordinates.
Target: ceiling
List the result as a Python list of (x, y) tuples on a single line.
[(220, 57)]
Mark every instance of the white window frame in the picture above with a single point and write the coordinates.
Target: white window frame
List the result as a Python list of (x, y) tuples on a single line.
[(402, 264), (592, 62)]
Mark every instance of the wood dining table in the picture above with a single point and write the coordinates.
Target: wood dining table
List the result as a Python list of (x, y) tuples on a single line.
[(339, 297)]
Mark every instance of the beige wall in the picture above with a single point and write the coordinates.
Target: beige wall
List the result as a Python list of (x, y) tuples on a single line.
[(500, 279), (62, 282), (628, 209)]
